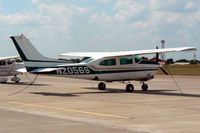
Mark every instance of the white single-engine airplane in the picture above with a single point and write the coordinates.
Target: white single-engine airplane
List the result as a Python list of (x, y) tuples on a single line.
[(101, 66), (9, 66)]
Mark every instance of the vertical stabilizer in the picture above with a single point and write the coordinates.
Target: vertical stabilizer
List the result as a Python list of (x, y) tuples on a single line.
[(31, 57)]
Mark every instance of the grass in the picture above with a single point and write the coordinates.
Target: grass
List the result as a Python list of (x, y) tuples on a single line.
[(193, 70)]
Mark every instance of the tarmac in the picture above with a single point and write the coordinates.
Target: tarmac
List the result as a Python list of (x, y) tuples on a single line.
[(55, 104)]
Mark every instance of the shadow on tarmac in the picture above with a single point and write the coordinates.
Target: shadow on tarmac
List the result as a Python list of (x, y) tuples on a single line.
[(109, 90), (25, 84), (77, 93)]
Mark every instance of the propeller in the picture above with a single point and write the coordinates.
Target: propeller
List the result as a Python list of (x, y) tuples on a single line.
[(157, 60), (157, 55), (164, 71)]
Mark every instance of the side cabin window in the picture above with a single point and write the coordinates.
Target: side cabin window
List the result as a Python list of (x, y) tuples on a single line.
[(126, 60), (2, 63), (9, 62), (19, 60), (109, 62)]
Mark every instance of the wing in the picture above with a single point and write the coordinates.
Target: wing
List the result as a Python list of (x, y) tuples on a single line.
[(10, 57), (128, 53), (21, 70)]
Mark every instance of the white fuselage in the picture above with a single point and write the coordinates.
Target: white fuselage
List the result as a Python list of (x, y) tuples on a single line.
[(94, 70)]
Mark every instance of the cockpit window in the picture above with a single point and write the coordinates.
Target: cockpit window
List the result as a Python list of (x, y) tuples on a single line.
[(19, 60), (126, 60), (137, 59), (9, 62), (109, 62), (2, 63), (144, 60)]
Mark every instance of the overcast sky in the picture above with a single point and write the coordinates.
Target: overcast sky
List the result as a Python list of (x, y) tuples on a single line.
[(60, 26)]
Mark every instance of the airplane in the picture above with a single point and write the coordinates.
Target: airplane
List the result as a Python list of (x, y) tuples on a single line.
[(123, 66), (9, 66)]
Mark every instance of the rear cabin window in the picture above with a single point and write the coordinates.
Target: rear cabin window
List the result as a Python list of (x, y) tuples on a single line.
[(109, 62), (9, 62), (126, 60), (2, 63)]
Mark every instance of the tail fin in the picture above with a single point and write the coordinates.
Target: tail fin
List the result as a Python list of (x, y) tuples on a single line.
[(31, 57)]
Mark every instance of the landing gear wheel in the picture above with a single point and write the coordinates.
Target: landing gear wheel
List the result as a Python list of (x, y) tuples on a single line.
[(102, 86), (144, 87), (129, 88), (16, 79)]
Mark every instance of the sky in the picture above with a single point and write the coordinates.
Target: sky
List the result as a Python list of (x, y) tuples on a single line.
[(60, 26)]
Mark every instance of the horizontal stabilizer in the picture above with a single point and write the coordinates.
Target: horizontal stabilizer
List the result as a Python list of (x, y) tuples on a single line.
[(10, 57), (128, 53), (21, 70), (40, 70)]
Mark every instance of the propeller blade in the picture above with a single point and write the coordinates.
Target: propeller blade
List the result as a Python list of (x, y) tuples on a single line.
[(163, 70), (157, 55)]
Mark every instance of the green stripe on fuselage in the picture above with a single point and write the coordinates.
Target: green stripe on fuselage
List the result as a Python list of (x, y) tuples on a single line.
[(85, 70)]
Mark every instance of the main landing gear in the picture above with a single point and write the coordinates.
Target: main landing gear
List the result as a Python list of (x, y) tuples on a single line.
[(102, 86), (129, 87)]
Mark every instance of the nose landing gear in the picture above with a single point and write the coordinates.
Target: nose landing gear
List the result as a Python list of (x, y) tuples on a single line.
[(144, 87)]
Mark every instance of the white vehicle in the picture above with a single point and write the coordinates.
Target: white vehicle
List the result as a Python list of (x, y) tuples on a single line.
[(101, 66), (9, 66)]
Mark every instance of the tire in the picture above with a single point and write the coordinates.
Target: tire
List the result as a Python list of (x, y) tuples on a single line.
[(129, 88), (144, 87), (102, 86)]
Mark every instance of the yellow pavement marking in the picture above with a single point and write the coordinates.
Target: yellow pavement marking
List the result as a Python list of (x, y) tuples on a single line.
[(70, 110)]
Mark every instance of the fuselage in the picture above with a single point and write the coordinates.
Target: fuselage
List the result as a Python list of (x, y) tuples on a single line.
[(109, 69)]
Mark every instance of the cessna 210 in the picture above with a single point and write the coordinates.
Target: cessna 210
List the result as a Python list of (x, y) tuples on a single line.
[(9, 66), (101, 66)]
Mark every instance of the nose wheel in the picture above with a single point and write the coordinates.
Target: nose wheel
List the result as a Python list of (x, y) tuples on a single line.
[(144, 87)]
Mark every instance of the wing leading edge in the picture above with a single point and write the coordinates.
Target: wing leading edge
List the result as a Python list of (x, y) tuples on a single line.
[(128, 53)]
